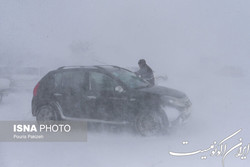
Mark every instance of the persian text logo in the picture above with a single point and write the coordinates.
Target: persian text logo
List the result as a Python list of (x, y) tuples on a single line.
[(220, 149)]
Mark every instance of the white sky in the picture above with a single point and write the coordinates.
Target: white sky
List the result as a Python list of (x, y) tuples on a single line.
[(164, 32)]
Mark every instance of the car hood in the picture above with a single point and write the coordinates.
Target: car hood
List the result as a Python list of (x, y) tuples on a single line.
[(164, 91)]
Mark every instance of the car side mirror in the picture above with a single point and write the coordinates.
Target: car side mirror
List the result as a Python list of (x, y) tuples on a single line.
[(119, 89)]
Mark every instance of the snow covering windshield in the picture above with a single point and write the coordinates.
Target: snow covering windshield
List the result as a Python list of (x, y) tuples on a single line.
[(130, 79)]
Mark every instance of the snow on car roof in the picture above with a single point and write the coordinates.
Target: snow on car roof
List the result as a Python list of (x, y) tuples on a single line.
[(89, 67), (74, 67)]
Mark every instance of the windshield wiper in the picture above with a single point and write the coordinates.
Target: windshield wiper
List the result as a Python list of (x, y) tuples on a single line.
[(140, 87)]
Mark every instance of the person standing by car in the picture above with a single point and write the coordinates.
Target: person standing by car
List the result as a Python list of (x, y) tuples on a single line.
[(145, 72)]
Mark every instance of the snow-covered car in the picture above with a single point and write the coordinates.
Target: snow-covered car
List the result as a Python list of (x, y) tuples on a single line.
[(107, 95)]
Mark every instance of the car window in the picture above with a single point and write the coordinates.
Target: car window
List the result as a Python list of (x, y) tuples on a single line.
[(47, 84), (58, 80), (74, 80), (101, 82)]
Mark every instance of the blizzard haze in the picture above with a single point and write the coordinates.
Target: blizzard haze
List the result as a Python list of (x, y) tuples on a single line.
[(202, 46), (166, 33)]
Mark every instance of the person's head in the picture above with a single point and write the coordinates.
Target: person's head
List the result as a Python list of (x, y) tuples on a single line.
[(141, 63)]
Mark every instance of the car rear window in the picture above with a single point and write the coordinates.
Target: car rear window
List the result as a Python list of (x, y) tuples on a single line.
[(74, 80)]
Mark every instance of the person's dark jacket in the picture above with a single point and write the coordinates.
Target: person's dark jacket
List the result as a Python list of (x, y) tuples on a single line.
[(146, 73)]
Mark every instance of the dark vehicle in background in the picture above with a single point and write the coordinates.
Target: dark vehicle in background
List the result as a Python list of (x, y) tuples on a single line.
[(107, 95)]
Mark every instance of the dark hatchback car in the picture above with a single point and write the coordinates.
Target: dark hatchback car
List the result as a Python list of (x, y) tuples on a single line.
[(108, 95)]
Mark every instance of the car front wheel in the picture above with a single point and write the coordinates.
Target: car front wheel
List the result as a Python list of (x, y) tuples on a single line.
[(151, 123)]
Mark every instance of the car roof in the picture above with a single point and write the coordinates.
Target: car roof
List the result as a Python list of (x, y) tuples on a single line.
[(89, 67)]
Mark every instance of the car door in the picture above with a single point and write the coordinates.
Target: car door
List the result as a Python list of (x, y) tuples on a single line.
[(70, 86), (104, 103)]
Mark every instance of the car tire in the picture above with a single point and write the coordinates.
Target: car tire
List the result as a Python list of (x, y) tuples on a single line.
[(47, 113), (151, 123)]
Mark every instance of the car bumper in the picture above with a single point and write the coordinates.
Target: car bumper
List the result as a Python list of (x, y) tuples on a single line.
[(177, 116)]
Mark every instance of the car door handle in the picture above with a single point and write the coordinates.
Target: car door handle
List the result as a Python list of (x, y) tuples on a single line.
[(57, 94), (91, 97), (132, 99)]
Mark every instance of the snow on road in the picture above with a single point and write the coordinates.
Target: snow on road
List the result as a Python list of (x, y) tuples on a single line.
[(220, 108), (16, 106)]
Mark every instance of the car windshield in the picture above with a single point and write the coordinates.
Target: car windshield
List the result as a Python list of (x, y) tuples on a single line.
[(130, 79)]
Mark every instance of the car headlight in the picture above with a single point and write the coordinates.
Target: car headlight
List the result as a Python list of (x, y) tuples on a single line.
[(172, 101)]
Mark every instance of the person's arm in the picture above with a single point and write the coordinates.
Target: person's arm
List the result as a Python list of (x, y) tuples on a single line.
[(139, 72)]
